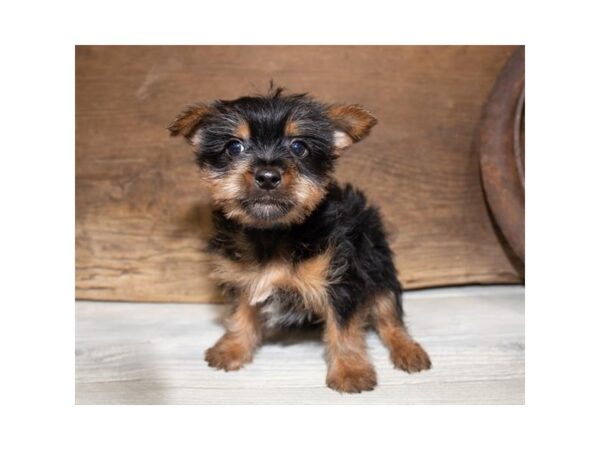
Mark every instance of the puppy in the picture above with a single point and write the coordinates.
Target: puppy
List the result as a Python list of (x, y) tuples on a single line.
[(291, 246)]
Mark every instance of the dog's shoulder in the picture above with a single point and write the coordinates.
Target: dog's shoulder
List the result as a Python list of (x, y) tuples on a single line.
[(349, 209)]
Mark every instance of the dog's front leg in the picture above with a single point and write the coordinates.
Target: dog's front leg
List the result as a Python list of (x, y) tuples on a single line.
[(237, 346), (349, 368)]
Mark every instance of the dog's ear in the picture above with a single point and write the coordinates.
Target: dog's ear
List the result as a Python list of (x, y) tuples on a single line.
[(188, 122), (351, 123)]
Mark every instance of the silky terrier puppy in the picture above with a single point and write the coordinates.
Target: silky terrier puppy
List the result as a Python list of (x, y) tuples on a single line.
[(291, 246)]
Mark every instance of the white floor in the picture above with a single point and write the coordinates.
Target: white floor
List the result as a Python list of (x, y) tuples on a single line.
[(140, 353)]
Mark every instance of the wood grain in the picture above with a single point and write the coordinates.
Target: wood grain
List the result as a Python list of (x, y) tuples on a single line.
[(142, 217), (135, 353)]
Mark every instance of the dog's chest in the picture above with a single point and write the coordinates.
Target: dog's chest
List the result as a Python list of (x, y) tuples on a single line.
[(306, 280)]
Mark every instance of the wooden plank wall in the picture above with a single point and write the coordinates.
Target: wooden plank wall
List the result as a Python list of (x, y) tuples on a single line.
[(142, 216)]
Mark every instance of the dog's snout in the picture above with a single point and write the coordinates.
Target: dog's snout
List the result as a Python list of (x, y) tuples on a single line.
[(267, 179)]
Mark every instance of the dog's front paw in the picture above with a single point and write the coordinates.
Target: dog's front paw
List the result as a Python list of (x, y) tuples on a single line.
[(352, 379), (227, 354), (410, 357)]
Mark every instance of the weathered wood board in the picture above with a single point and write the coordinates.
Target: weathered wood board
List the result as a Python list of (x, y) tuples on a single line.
[(142, 216)]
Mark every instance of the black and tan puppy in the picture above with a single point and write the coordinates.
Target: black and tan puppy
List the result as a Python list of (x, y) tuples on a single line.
[(292, 246)]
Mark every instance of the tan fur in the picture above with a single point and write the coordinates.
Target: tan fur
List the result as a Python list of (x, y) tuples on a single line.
[(288, 178), (240, 179), (187, 121), (227, 190), (405, 353), (291, 128), (349, 368), (352, 123), (341, 141), (243, 131), (308, 195), (257, 282), (237, 346)]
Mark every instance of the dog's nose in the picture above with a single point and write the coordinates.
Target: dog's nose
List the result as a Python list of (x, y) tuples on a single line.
[(267, 179)]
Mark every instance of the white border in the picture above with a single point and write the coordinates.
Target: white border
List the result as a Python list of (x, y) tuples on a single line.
[(37, 188)]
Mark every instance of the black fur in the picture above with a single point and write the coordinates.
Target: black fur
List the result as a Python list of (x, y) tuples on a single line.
[(267, 117), (362, 264), (293, 247)]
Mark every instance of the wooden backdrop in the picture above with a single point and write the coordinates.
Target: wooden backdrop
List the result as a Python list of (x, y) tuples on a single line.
[(142, 216)]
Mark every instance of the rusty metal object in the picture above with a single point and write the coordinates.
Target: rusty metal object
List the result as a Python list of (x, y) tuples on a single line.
[(501, 143)]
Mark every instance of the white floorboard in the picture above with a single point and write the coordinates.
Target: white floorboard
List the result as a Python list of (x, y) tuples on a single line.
[(141, 353)]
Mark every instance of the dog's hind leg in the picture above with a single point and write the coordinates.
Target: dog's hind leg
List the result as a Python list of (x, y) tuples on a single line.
[(405, 352)]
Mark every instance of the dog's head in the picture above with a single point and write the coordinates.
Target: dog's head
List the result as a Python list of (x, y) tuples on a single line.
[(268, 159)]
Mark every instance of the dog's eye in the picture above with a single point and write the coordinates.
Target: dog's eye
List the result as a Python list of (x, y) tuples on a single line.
[(298, 148), (234, 148)]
